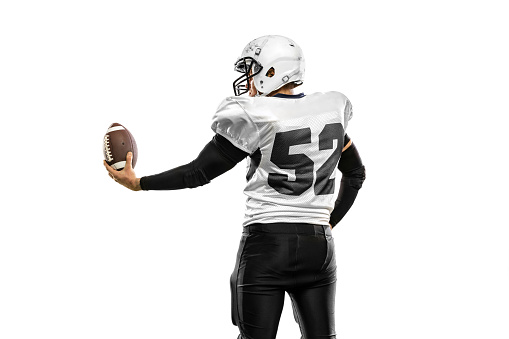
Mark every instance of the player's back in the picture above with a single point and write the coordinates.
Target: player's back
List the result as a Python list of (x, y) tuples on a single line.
[(295, 144)]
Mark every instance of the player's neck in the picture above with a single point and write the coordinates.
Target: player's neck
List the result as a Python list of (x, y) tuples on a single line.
[(286, 91)]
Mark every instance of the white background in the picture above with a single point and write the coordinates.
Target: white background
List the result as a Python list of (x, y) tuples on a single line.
[(423, 253)]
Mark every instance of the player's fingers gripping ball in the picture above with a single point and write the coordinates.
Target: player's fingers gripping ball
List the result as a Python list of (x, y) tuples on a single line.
[(118, 141)]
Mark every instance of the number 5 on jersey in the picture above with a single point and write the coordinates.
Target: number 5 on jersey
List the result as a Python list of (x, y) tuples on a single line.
[(302, 164)]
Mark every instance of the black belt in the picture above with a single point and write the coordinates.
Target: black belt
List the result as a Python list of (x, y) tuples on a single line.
[(291, 228)]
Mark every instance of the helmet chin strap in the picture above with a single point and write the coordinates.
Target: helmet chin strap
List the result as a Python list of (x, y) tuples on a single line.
[(258, 93)]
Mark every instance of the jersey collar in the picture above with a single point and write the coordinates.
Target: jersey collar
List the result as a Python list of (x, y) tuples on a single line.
[(289, 96)]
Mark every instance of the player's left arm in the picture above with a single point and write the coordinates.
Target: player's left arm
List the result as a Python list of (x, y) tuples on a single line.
[(354, 174)]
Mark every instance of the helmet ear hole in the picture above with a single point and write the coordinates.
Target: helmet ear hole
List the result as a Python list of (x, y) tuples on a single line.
[(270, 73)]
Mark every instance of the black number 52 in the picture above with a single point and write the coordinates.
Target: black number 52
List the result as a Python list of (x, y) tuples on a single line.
[(302, 164)]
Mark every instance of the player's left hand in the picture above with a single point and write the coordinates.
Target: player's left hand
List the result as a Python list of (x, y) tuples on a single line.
[(126, 177)]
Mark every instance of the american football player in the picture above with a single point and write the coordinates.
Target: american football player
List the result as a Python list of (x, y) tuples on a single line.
[(293, 143)]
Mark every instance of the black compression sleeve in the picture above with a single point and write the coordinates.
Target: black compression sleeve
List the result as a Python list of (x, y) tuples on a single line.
[(354, 174), (346, 141), (230, 151), (217, 157)]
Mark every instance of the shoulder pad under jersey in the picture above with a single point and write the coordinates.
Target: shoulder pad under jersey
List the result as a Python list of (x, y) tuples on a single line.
[(233, 122), (344, 103)]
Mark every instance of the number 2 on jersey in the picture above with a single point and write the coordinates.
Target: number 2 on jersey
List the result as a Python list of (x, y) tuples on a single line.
[(302, 164)]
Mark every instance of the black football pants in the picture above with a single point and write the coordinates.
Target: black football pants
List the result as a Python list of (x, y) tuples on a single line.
[(278, 258)]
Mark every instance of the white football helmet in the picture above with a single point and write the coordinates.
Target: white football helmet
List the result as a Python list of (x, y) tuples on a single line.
[(272, 61)]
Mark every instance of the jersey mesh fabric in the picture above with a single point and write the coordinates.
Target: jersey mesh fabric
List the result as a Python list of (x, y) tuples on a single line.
[(300, 142)]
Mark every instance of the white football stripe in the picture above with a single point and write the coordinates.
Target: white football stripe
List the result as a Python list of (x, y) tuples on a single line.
[(119, 165), (116, 128)]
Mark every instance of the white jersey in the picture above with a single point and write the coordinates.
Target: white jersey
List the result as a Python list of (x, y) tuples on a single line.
[(294, 145)]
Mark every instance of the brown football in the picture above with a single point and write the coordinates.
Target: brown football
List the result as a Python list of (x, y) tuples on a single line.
[(117, 142)]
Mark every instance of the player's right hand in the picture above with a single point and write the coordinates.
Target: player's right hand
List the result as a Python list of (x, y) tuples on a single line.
[(126, 177)]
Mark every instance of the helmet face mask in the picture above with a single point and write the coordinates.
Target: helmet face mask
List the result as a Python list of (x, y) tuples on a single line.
[(280, 56), (249, 68)]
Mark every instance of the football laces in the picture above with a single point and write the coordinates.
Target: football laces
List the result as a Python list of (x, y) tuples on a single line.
[(107, 150)]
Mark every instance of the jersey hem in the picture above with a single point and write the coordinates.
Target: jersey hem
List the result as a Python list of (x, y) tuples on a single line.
[(299, 220)]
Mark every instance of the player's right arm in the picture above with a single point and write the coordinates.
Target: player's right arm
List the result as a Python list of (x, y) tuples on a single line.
[(236, 137), (216, 158)]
